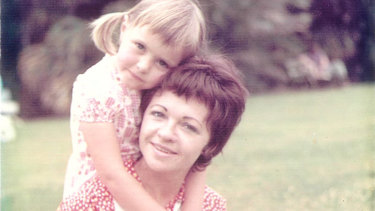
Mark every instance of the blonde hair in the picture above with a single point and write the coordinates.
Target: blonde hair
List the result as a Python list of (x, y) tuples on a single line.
[(179, 22)]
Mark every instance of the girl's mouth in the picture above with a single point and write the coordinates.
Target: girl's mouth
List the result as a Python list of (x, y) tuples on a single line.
[(135, 76)]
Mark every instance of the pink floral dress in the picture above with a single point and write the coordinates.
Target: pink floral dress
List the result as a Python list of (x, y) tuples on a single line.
[(98, 96), (94, 195)]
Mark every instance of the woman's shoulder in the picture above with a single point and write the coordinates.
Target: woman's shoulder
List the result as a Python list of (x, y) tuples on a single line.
[(213, 200)]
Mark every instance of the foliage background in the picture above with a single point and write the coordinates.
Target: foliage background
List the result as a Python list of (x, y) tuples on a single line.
[(45, 43)]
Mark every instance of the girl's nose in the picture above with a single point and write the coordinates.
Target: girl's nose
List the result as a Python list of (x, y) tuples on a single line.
[(144, 64)]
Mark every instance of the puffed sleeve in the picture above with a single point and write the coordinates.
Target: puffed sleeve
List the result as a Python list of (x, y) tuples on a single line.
[(213, 201), (94, 100)]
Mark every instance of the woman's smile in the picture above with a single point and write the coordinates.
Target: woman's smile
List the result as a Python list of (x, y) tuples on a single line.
[(163, 149)]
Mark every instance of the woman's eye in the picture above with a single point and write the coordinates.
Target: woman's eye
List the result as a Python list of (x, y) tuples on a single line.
[(157, 114), (190, 127)]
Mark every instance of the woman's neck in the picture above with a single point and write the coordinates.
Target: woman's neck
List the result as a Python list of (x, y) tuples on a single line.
[(163, 187)]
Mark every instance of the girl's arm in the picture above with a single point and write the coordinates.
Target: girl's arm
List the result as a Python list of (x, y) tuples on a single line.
[(104, 149), (194, 191)]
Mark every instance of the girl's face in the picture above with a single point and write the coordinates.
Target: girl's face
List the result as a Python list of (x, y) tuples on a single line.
[(143, 59), (173, 133)]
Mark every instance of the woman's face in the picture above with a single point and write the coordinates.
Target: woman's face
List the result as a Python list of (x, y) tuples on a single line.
[(173, 132)]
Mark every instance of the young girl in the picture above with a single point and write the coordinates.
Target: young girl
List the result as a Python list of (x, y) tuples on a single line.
[(154, 37)]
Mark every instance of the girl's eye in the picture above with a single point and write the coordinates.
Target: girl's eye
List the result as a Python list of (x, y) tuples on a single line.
[(140, 46), (163, 64)]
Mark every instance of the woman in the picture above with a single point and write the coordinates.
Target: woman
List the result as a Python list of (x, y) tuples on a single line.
[(187, 120)]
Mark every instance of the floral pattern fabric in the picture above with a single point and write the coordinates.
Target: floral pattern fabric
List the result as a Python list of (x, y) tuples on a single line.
[(98, 96), (94, 195)]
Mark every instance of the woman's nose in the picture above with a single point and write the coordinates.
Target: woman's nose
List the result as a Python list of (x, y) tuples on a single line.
[(167, 132)]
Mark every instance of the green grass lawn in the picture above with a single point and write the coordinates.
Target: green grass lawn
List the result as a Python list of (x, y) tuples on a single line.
[(310, 150)]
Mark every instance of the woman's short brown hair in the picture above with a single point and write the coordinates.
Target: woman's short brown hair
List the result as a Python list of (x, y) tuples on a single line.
[(214, 81)]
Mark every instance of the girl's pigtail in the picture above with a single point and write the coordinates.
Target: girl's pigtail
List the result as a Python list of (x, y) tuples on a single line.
[(103, 32)]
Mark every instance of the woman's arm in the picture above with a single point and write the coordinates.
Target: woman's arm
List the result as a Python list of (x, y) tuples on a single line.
[(104, 150), (194, 193)]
